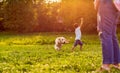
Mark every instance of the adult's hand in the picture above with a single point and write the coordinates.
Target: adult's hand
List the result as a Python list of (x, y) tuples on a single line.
[(96, 4), (117, 4)]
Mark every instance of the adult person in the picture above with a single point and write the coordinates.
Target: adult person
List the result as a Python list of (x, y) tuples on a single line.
[(106, 26)]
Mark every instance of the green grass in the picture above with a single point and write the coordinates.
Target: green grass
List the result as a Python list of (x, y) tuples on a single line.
[(31, 53)]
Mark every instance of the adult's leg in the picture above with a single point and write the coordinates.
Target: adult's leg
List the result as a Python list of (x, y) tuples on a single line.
[(116, 48), (107, 48)]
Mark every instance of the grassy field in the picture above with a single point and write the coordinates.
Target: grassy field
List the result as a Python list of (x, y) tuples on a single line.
[(34, 53)]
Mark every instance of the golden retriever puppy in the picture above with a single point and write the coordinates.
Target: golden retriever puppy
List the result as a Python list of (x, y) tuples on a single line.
[(59, 41)]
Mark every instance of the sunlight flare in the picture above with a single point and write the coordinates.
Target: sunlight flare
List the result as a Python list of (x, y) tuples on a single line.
[(1, 0), (52, 1)]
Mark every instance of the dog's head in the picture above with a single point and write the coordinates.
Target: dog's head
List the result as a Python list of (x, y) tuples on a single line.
[(59, 41), (63, 40)]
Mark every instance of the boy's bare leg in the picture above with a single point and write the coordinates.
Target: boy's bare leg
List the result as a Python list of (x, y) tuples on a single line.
[(80, 47), (72, 48)]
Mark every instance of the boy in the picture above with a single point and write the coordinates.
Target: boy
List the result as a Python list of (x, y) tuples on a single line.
[(78, 35)]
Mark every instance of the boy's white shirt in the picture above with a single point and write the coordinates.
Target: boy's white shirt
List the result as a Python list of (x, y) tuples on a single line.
[(78, 33)]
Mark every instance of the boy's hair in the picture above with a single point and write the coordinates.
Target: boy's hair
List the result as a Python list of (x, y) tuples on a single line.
[(75, 25)]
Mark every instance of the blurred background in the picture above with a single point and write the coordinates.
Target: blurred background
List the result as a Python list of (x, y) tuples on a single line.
[(23, 16)]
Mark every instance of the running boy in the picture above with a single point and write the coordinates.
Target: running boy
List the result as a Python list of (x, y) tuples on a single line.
[(78, 35)]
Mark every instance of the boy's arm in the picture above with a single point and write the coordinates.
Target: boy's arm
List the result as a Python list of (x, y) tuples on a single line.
[(96, 4), (81, 22)]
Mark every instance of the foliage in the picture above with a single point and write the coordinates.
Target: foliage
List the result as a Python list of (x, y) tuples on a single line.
[(19, 15), (1, 16), (38, 16), (70, 12), (80, 9)]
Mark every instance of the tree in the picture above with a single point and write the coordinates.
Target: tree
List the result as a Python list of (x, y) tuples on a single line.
[(36, 15), (73, 10), (1, 16), (47, 14), (19, 15)]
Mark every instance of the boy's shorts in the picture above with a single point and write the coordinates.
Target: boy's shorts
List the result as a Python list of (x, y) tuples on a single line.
[(77, 42)]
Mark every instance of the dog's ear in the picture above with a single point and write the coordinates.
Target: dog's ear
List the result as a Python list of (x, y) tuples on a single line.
[(59, 40)]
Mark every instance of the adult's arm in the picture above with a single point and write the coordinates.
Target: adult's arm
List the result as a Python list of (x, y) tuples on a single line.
[(118, 18)]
